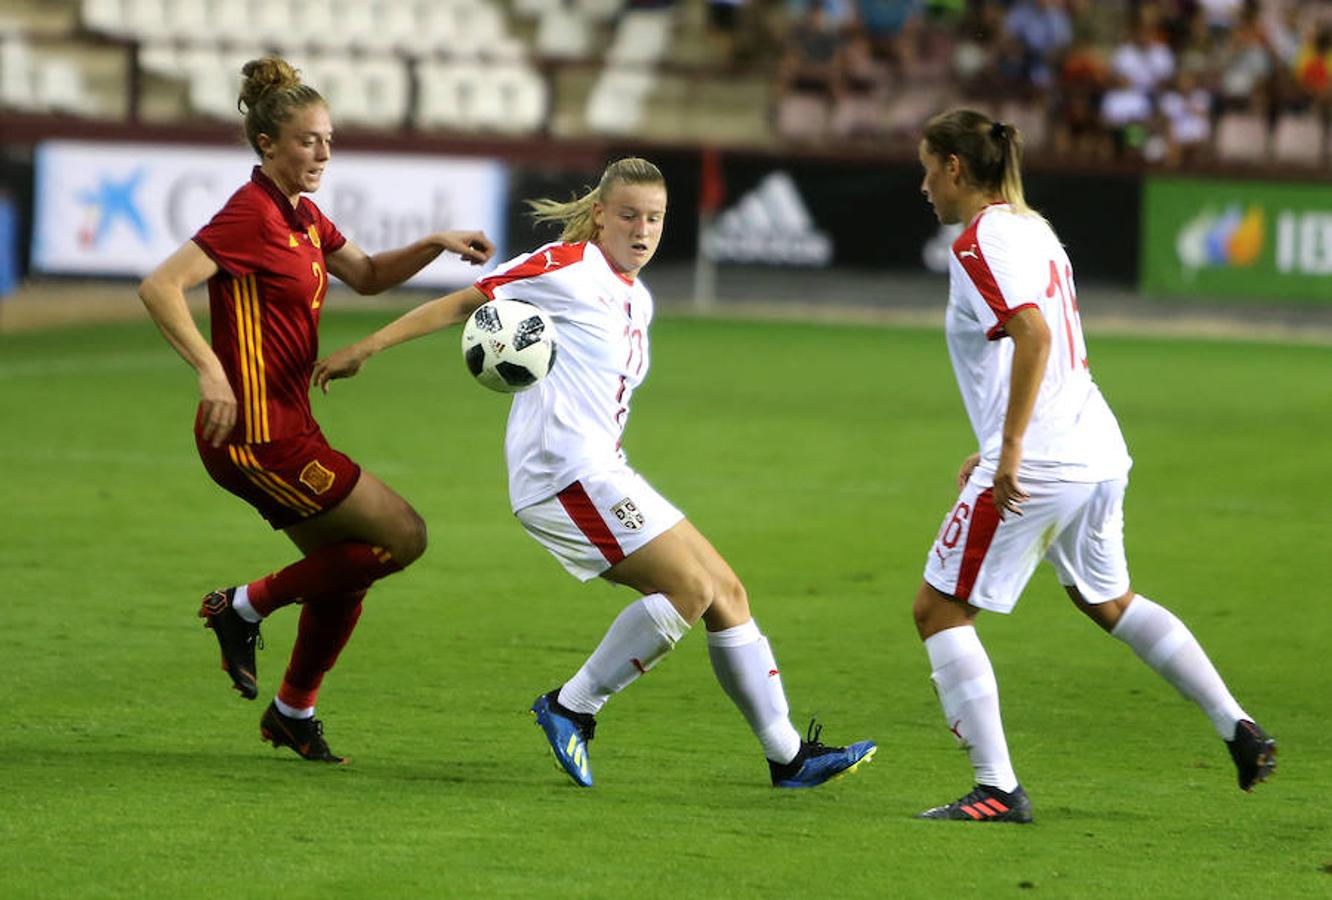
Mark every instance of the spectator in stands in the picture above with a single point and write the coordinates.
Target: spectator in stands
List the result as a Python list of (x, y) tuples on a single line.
[(1186, 107), (1083, 77), (863, 80), (1044, 30), (1144, 61), (808, 74), (1126, 114), (1313, 68), (889, 26), (1245, 65)]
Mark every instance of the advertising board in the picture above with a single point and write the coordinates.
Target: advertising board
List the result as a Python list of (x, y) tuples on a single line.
[(1246, 239), (120, 209)]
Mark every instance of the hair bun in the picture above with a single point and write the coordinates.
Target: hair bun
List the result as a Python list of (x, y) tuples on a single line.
[(271, 73)]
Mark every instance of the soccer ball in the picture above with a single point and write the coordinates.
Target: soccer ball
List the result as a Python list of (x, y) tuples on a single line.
[(509, 345)]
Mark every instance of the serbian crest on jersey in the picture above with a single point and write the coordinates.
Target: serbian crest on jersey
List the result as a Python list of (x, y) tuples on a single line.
[(316, 477), (627, 514)]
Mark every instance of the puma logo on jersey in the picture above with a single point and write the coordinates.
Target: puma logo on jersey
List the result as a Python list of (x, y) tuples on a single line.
[(972, 253), (550, 260)]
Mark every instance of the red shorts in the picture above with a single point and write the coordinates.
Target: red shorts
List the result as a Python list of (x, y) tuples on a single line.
[(287, 480)]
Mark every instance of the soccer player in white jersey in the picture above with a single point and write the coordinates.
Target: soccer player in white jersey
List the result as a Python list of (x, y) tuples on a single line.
[(1049, 477), (573, 491)]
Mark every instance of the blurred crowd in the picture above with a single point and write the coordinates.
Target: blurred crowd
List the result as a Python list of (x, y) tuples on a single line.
[(1154, 80)]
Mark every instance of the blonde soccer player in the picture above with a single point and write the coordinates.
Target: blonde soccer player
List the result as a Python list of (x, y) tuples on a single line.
[(1049, 477), (572, 489)]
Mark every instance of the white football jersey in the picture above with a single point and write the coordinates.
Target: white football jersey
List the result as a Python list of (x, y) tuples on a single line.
[(569, 425), (1001, 263)]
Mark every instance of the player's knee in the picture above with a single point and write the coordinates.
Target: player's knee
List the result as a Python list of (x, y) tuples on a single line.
[(730, 597), (411, 540)]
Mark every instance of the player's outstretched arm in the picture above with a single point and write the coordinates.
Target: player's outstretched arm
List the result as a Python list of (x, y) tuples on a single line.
[(430, 316), (368, 274), (163, 293)]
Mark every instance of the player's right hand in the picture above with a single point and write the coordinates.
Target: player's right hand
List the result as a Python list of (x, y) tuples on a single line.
[(343, 363), (217, 407)]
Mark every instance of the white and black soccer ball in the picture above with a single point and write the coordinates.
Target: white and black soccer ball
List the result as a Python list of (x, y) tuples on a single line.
[(509, 345)]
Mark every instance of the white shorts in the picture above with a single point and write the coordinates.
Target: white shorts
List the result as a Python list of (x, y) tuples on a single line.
[(1078, 527), (597, 521)]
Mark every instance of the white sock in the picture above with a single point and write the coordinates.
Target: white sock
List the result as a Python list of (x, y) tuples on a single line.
[(240, 602), (294, 712), (1166, 644), (744, 665), (964, 681), (641, 634)]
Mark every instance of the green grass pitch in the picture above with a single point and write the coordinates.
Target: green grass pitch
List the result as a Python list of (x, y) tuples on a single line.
[(819, 459)]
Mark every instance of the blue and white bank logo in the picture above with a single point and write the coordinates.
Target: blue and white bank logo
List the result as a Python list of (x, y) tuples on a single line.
[(109, 203)]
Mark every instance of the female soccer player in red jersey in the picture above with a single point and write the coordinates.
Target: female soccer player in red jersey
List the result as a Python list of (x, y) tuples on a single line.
[(571, 486), (266, 256), (1050, 475)]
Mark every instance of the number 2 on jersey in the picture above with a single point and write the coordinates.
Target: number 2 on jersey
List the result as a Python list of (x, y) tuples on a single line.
[(1077, 349), (318, 272)]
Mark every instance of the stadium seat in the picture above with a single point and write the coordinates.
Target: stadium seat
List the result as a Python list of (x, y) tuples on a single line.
[(384, 87), (464, 95), (802, 117), (562, 34), (615, 104), (1030, 120), (438, 96), (160, 58), (599, 10), (1241, 138), (147, 19), (642, 38), (16, 88), (274, 22), (103, 16), (1299, 139), (228, 21), (59, 87)]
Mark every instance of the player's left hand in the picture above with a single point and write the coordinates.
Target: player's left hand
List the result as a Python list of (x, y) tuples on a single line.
[(473, 246), (1008, 493)]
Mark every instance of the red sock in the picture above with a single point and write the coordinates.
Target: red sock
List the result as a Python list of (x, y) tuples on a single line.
[(326, 625), (336, 569)]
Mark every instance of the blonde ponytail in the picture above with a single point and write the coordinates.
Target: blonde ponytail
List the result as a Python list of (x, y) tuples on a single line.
[(990, 151), (575, 216)]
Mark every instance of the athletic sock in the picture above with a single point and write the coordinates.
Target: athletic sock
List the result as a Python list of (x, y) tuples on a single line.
[(340, 568), (1165, 643), (744, 665), (292, 712), (641, 634), (326, 625), (240, 602), (969, 694)]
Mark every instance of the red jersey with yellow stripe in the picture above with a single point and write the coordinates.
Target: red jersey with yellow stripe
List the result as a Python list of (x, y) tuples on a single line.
[(265, 302)]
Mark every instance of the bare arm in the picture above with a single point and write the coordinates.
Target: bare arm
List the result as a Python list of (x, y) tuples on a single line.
[(163, 293), (1031, 350), (368, 274), (430, 316)]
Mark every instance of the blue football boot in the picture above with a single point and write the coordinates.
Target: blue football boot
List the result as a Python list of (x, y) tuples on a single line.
[(568, 733), (815, 763)]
